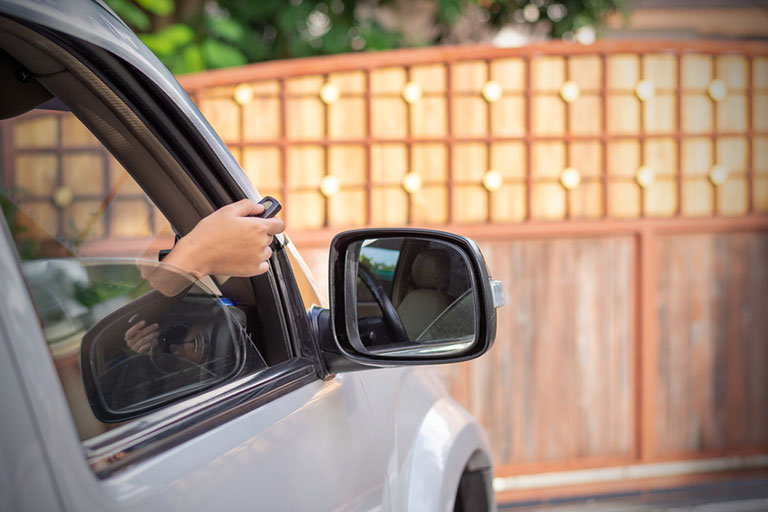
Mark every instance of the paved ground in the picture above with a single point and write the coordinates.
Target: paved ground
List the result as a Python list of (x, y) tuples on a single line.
[(744, 495)]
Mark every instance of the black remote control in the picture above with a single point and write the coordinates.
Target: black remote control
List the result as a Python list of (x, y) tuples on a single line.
[(271, 207)]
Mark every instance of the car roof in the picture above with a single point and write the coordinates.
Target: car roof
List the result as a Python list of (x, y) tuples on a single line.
[(94, 22)]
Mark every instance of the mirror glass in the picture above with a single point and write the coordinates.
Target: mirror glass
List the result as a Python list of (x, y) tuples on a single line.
[(146, 333), (413, 297)]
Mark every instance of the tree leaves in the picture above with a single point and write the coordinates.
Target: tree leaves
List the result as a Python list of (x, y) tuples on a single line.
[(221, 55), (192, 35)]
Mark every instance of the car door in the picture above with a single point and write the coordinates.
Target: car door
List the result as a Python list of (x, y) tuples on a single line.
[(278, 438)]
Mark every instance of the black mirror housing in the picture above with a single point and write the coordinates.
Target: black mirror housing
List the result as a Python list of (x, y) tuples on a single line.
[(339, 329)]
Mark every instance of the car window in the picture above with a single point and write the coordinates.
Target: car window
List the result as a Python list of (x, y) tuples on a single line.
[(127, 334), (380, 257)]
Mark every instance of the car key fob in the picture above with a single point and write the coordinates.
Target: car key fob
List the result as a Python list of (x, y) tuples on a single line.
[(271, 207)]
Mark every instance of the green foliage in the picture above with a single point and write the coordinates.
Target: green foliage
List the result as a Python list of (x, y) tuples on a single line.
[(192, 35), (28, 248)]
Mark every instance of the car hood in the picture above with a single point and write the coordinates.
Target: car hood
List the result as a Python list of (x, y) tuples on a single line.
[(96, 23)]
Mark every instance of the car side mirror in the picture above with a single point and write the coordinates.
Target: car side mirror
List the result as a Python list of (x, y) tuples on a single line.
[(408, 297)]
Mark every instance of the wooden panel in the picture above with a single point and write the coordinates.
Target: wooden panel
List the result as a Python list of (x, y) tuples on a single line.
[(732, 196), (696, 71), (430, 161), (83, 173), (306, 166), (623, 158), (37, 132), (508, 203), (75, 134), (430, 78), (509, 159), (660, 70), (732, 69), (36, 174), (224, 116), (130, 219), (732, 113), (623, 114), (389, 117), (262, 166), (586, 201), (661, 156), (732, 153), (760, 155), (586, 71), (389, 163), (349, 82), (84, 220), (547, 73), (624, 199), (387, 80), (585, 115), (510, 73), (698, 197), (586, 157), (548, 159), (548, 201), (470, 203), (347, 163), (697, 114), (470, 116), (470, 161), (508, 116), (548, 115), (557, 386), (760, 73), (345, 208), (430, 205), (468, 76), (389, 206), (661, 198), (759, 107), (262, 119), (428, 117), (305, 118), (697, 156), (623, 72), (713, 326), (347, 119), (660, 114)]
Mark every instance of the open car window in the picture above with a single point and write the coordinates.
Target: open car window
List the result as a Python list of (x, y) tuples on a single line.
[(145, 333), (128, 335)]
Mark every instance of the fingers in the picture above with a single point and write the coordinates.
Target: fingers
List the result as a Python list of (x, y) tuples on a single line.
[(132, 331), (273, 225), (145, 343), (140, 338), (245, 207)]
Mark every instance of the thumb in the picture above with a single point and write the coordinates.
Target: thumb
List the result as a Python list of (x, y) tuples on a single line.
[(245, 207)]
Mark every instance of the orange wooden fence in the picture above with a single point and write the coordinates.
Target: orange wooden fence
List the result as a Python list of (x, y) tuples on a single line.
[(620, 191)]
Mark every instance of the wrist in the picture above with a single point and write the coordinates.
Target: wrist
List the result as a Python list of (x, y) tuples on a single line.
[(185, 257)]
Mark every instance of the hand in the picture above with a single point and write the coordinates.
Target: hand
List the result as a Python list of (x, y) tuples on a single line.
[(140, 338), (228, 242)]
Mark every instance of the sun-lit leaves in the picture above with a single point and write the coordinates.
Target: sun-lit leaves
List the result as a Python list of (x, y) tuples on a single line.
[(192, 35)]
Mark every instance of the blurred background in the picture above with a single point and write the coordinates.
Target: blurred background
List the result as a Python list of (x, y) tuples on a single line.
[(609, 156)]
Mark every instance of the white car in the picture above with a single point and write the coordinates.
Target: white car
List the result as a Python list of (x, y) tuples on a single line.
[(253, 397)]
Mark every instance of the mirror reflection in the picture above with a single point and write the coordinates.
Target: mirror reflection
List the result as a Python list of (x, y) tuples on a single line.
[(414, 297), (147, 334)]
